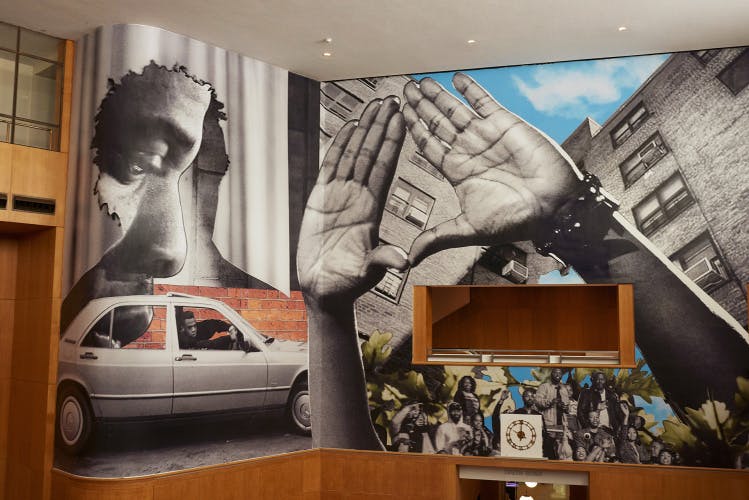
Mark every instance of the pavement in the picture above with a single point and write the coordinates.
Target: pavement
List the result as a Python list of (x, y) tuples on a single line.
[(138, 449)]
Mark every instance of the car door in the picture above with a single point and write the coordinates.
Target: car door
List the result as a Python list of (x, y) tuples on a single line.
[(131, 380), (209, 377)]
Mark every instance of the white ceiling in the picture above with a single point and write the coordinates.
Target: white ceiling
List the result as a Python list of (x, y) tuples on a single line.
[(384, 37)]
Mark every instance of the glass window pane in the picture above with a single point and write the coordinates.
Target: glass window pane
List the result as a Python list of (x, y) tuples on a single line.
[(736, 74), (671, 187), (5, 125), (39, 44), (36, 97), (8, 36), (7, 72), (98, 336), (34, 135), (646, 209), (140, 327)]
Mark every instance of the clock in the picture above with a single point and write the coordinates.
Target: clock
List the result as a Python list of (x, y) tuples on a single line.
[(521, 435)]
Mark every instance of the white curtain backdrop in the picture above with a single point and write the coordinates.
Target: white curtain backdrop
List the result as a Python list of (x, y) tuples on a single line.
[(252, 222)]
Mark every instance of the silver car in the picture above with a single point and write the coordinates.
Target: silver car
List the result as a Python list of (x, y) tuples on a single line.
[(138, 357)]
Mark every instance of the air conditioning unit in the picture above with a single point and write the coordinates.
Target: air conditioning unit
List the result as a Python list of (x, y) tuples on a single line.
[(705, 274), (515, 272), (651, 153)]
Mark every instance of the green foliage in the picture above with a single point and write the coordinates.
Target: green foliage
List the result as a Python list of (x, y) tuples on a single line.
[(390, 388), (712, 435)]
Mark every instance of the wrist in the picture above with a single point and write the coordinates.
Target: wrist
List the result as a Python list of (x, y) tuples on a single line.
[(583, 232)]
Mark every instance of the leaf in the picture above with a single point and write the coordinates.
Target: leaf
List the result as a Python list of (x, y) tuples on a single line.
[(376, 350)]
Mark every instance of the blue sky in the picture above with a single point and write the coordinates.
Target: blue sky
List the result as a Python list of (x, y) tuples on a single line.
[(557, 97)]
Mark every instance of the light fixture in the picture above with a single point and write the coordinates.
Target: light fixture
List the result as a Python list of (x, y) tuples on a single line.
[(531, 484), (526, 497), (327, 54), (622, 28), (328, 40), (471, 41)]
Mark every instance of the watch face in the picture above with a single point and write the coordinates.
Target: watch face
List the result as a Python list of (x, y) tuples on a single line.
[(520, 435)]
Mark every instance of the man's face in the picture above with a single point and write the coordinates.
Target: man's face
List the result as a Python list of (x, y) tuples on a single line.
[(599, 382), (594, 419), (529, 397), (158, 131), (455, 414), (465, 385), (556, 375), (191, 327)]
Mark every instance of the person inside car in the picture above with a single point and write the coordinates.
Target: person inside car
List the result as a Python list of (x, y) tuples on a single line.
[(200, 335)]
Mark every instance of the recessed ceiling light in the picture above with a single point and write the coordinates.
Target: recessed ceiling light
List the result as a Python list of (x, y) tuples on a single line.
[(622, 28), (328, 40), (471, 41), (327, 54)]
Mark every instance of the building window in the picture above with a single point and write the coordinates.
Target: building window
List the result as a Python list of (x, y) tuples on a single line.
[(508, 261), (372, 83), (643, 159), (31, 75), (410, 203), (668, 201), (701, 262), (626, 127), (418, 159), (392, 284), (705, 56), (735, 76), (338, 100)]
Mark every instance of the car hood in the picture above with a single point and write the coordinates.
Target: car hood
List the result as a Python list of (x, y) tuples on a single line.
[(287, 346)]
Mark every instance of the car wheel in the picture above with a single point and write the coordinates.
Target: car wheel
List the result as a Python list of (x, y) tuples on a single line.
[(75, 420), (299, 409)]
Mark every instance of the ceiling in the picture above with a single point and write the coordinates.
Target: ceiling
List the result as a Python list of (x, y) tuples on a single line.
[(384, 37)]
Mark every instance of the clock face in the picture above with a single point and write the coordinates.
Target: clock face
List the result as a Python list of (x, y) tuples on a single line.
[(520, 435)]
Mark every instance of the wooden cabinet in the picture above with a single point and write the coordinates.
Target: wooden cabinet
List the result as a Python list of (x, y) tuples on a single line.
[(530, 325)]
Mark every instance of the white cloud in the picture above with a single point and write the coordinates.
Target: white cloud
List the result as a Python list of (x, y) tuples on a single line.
[(577, 89)]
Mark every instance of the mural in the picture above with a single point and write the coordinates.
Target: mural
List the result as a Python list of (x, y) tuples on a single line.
[(179, 316), (425, 185)]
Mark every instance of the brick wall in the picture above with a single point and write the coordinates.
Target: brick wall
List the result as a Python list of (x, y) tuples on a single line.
[(268, 311)]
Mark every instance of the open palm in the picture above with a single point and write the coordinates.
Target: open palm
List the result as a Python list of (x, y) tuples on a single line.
[(509, 177), (339, 255)]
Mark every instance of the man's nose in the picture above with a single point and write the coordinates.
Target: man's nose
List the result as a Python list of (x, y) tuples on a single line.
[(155, 243)]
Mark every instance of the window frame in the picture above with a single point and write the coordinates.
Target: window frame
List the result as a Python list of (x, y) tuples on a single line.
[(717, 261), (626, 178), (632, 127), (12, 120), (731, 65), (664, 211), (336, 100), (409, 203), (401, 287)]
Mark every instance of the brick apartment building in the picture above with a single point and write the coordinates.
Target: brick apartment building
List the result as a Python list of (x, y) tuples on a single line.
[(672, 154), (419, 198)]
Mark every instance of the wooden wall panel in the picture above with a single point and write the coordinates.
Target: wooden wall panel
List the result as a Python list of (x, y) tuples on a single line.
[(348, 475), (5, 166), (40, 174)]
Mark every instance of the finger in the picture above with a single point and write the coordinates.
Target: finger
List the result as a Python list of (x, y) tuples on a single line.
[(345, 168), (432, 149), (373, 141), (452, 233), (479, 99), (333, 156), (437, 123), (457, 112), (386, 256), (386, 162)]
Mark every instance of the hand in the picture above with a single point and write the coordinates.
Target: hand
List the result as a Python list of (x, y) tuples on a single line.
[(339, 256), (508, 176)]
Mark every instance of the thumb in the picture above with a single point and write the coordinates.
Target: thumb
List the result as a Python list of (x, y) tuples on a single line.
[(385, 256), (449, 234)]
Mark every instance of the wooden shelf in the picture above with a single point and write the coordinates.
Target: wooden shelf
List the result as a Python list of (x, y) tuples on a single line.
[(525, 325)]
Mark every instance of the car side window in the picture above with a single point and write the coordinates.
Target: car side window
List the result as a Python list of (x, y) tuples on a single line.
[(201, 328), (99, 334), (139, 327)]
